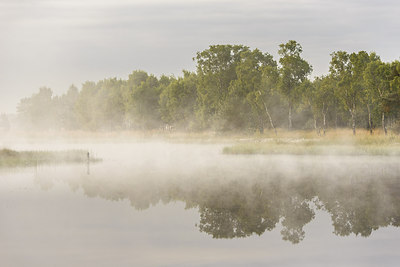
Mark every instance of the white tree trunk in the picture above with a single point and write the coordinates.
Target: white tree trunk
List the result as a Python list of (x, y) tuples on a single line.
[(269, 117), (369, 119), (353, 121), (383, 123)]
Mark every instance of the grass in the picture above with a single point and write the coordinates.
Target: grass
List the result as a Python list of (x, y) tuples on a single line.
[(332, 135), (338, 142), (12, 158), (301, 149), (298, 142)]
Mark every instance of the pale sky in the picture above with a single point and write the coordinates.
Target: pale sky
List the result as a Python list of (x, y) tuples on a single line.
[(58, 43)]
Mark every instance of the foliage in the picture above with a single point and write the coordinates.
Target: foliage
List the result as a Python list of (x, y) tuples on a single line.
[(178, 101), (216, 69), (293, 73), (12, 158), (234, 88)]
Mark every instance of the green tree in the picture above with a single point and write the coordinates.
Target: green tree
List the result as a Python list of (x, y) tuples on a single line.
[(348, 70), (324, 98), (263, 98), (244, 93), (178, 101), (309, 92), (109, 103), (142, 104), (85, 106), (393, 101), (377, 77), (369, 98), (395, 77), (66, 108), (216, 69), (293, 72)]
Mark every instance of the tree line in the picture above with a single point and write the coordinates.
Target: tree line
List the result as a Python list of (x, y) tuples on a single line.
[(234, 88)]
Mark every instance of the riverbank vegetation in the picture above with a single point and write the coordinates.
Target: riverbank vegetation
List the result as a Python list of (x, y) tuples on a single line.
[(12, 158), (234, 88), (336, 142)]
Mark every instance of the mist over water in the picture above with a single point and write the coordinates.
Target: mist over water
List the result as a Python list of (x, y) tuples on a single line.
[(191, 205), (199, 133)]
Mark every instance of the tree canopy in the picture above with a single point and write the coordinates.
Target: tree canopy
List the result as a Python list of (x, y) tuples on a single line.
[(234, 88)]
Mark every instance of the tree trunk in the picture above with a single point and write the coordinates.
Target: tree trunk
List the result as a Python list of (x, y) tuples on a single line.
[(290, 116), (383, 123), (369, 119), (353, 120), (269, 117), (336, 121), (261, 125), (335, 117), (324, 118), (315, 122), (315, 125)]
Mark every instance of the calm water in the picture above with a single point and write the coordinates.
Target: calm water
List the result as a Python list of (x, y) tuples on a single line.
[(159, 204)]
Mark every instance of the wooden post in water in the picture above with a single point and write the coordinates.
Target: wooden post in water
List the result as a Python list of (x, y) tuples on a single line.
[(36, 167), (88, 163)]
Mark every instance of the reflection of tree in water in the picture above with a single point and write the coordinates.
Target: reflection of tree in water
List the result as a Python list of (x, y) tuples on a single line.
[(240, 209), (362, 205), (231, 208)]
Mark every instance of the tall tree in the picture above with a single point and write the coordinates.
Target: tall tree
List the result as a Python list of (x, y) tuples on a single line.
[(324, 98), (178, 101), (294, 71), (347, 70), (395, 77), (85, 106), (216, 69), (66, 108), (263, 98), (377, 78), (244, 92), (309, 93), (361, 61), (110, 104), (143, 100)]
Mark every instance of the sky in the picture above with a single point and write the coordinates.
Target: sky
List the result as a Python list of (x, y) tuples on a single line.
[(62, 42)]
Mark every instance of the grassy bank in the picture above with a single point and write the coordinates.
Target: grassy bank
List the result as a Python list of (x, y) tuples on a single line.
[(335, 142), (210, 136), (338, 142), (11, 158), (301, 149)]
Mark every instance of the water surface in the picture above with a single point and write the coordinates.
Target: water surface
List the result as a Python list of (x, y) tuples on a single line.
[(160, 204)]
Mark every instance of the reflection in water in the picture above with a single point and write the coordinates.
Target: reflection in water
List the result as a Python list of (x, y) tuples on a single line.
[(359, 198)]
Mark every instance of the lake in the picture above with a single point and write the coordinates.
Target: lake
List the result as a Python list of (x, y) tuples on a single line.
[(163, 204)]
